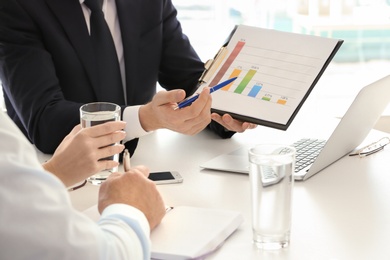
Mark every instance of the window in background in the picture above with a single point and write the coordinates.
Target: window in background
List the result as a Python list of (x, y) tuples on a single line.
[(363, 25)]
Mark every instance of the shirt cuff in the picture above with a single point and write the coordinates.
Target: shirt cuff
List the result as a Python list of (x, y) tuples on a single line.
[(133, 127), (135, 220), (128, 211)]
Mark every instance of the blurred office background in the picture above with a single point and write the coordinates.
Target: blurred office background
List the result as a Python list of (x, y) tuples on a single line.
[(364, 25)]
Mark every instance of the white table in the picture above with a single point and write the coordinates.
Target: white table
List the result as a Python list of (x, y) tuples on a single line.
[(341, 213)]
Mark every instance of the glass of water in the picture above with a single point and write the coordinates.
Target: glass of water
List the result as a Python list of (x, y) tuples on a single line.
[(271, 181), (95, 114)]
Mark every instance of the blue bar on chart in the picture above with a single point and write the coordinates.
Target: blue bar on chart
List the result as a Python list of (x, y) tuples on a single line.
[(254, 91)]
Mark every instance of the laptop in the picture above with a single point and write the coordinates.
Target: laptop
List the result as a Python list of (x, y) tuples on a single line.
[(350, 132)]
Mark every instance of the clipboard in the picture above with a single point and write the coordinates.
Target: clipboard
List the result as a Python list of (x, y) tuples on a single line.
[(276, 72)]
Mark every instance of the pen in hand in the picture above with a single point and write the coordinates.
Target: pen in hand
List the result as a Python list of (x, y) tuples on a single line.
[(126, 160), (188, 101), (127, 166)]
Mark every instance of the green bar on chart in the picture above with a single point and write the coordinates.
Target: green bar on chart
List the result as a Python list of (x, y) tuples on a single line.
[(245, 81)]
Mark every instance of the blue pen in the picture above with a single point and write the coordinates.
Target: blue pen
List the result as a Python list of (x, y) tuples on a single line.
[(188, 101)]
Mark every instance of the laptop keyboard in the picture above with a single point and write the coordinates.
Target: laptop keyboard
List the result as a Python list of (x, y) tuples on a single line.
[(307, 150)]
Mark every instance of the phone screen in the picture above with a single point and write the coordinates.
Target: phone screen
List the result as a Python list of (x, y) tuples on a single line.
[(161, 176)]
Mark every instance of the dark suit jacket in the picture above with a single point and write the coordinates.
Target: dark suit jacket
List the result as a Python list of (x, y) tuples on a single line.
[(47, 64)]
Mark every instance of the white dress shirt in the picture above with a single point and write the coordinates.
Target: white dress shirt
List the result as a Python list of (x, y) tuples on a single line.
[(37, 220), (130, 114)]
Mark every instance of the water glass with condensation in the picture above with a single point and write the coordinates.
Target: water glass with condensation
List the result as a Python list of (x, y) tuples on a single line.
[(95, 114), (271, 182)]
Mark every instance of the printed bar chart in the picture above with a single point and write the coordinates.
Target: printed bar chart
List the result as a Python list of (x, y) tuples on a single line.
[(257, 74), (249, 85)]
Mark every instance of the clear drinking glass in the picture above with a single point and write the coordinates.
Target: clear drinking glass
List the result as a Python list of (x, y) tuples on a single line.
[(99, 113), (271, 181)]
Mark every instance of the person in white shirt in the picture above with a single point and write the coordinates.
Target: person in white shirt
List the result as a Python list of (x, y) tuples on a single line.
[(37, 220)]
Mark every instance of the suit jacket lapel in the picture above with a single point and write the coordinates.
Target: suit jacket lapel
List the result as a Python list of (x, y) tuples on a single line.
[(70, 15)]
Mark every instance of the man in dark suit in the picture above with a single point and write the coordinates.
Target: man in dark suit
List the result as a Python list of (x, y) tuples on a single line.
[(48, 69)]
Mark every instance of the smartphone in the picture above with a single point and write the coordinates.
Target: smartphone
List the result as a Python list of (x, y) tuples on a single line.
[(165, 177)]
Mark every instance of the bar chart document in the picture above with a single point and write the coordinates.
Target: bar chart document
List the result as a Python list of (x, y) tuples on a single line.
[(275, 71)]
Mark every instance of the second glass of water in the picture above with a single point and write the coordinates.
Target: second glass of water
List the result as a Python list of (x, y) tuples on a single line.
[(95, 114), (271, 181)]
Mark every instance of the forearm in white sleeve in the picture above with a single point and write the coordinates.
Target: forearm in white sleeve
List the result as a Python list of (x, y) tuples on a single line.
[(122, 223), (133, 127), (37, 220)]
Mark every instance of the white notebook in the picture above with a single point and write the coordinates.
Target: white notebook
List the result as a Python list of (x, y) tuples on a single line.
[(189, 232)]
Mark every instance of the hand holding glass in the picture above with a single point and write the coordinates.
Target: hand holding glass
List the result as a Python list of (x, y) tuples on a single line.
[(271, 180), (99, 113)]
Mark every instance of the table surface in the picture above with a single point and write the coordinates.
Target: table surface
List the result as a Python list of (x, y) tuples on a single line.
[(343, 212)]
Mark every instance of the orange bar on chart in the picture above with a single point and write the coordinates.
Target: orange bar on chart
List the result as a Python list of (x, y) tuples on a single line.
[(235, 73)]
